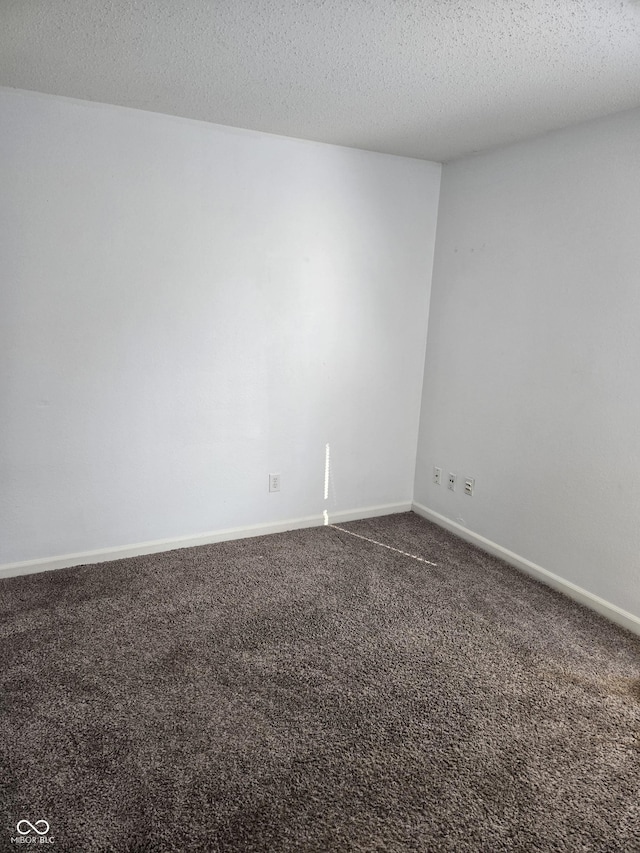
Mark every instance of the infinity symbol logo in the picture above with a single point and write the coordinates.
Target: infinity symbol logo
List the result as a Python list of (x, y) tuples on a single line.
[(33, 827)]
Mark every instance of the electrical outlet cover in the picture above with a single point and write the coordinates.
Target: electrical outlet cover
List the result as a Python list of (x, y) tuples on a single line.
[(274, 482)]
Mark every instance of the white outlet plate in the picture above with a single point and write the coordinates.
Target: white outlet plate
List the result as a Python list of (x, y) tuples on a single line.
[(437, 475), (451, 482), (274, 482)]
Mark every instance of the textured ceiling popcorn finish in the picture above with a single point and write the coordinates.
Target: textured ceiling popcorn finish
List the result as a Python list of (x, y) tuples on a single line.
[(434, 79)]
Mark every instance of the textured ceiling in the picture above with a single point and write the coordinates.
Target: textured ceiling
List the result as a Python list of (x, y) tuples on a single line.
[(426, 78)]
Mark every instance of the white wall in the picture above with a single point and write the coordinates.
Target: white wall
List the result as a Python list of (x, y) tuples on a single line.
[(532, 378), (186, 308)]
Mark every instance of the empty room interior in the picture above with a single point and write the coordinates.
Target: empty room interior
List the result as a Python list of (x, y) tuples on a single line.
[(320, 425)]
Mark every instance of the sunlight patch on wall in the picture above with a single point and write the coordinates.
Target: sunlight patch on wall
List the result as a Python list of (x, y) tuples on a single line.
[(327, 466)]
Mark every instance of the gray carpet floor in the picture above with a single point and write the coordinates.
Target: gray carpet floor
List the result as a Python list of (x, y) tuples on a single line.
[(312, 691)]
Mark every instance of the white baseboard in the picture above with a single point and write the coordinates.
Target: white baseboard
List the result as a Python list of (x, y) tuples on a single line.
[(600, 605), (102, 555)]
